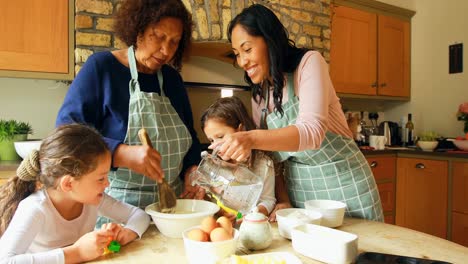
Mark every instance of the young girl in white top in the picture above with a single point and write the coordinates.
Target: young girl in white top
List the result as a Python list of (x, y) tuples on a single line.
[(226, 116), (49, 210)]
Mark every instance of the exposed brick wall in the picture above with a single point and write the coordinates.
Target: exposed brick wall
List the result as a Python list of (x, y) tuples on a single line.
[(308, 23)]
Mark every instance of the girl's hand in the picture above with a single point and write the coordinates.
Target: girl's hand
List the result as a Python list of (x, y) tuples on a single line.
[(141, 159), (191, 192), (229, 216), (90, 246), (126, 236), (112, 227), (120, 234), (236, 146), (278, 206)]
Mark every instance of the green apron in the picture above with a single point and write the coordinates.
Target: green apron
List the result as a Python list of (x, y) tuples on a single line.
[(168, 133), (337, 171)]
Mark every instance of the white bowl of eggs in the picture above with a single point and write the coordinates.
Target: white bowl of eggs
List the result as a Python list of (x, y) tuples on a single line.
[(188, 213), (210, 242)]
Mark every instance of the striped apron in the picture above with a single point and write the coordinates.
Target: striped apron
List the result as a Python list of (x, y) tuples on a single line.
[(337, 171), (168, 134)]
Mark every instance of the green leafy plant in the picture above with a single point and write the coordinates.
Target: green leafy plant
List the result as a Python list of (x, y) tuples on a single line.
[(10, 128), (429, 136)]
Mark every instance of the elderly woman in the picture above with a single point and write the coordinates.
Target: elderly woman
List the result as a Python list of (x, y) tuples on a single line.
[(121, 91)]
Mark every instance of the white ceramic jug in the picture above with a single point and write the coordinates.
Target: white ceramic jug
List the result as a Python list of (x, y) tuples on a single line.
[(255, 231)]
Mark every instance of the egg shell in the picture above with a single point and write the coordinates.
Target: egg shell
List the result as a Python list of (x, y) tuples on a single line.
[(219, 234), (225, 223), (198, 235), (208, 224)]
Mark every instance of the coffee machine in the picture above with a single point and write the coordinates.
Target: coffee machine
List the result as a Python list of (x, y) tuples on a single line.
[(390, 130)]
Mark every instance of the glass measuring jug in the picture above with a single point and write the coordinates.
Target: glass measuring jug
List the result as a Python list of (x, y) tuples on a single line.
[(235, 184)]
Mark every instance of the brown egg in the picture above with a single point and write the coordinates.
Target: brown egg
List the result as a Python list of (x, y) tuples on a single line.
[(225, 223), (208, 224), (197, 235), (219, 234)]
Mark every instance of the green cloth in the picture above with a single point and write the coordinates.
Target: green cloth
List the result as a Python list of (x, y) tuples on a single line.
[(337, 171), (168, 134)]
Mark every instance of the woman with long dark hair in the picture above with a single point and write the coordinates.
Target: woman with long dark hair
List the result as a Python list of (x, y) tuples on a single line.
[(303, 124)]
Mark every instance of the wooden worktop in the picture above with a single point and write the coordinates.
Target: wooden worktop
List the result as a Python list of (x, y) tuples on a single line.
[(373, 237)]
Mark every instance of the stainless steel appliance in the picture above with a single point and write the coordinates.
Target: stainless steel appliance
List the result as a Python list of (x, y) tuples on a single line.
[(390, 130)]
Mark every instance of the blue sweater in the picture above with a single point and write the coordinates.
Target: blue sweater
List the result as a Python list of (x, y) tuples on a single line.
[(99, 96)]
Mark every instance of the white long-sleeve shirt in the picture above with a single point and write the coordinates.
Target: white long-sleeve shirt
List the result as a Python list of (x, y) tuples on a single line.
[(263, 167), (37, 232)]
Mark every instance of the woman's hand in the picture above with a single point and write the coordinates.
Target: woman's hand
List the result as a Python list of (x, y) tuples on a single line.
[(278, 206), (141, 159), (90, 246), (236, 146), (191, 192)]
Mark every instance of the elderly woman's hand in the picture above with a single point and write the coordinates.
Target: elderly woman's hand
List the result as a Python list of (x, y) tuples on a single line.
[(141, 159), (236, 146)]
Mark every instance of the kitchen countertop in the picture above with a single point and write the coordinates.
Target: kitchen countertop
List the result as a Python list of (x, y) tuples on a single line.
[(9, 165), (372, 237), (409, 152)]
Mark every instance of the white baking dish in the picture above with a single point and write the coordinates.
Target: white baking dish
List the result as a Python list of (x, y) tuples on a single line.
[(324, 244)]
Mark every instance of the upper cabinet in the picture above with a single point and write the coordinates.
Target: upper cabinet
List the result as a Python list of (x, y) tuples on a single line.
[(393, 75), (370, 52), (37, 39)]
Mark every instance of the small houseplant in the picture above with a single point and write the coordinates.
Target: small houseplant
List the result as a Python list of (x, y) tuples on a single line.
[(11, 131), (428, 141)]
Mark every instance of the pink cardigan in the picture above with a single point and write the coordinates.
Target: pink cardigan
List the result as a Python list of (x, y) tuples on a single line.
[(319, 107)]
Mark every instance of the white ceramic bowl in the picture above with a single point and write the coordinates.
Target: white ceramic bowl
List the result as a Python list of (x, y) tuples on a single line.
[(23, 148), (325, 244), (427, 145), (461, 144), (198, 252), (332, 211), (291, 217), (188, 213)]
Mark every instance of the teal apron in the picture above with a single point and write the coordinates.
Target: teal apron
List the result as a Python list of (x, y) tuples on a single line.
[(168, 133), (337, 171)]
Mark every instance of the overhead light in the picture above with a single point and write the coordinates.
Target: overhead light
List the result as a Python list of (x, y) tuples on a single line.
[(226, 92)]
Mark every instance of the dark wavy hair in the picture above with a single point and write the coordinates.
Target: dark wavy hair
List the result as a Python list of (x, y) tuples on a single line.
[(69, 150), (134, 16), (283, 54)]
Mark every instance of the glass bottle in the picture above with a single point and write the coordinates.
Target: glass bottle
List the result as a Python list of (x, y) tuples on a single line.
[(409, 131), (402, 130)]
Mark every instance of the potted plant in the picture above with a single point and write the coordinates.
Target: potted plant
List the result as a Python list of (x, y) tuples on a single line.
[(428, 141), (11, 131)]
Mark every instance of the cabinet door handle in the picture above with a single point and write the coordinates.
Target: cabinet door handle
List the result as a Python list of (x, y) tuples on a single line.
[(373, 164), (383, 85), (420, 166), (374, 85)]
